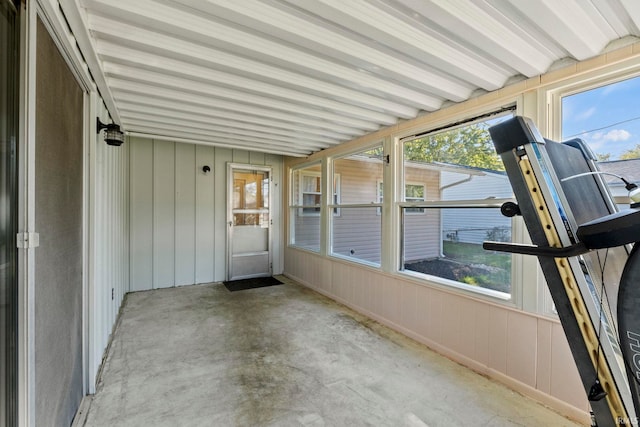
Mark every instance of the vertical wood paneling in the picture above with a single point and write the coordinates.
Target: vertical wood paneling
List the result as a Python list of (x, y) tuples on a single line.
[(466, 328), (163, 214), (521, 349), (110, 228), (185, 206), (256, 158), (97, 282), (450, 321), (543, 355), (204, 210), (222, 157), (109, 223), (178, 213), (481, 334), (498, 340), (141, 205), (240, 156), (124, 230), (277, 229), (423, 299), (565, 379), (435, 307)]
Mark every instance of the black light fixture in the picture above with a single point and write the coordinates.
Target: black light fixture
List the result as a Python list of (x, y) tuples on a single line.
[(113, 136)]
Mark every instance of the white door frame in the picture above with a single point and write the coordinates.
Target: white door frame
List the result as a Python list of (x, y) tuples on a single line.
[(230, 228)]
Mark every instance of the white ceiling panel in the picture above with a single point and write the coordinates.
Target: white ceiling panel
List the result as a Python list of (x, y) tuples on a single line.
[(296, 76)]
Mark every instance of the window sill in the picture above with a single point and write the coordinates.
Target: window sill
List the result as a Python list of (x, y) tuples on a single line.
[(457, 286)]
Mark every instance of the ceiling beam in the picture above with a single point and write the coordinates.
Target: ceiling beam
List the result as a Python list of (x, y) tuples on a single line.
[(210, 143), (212, 96), (235, 120), (232, 141), (167, 46), (194, 26), (188, 126), (233, 110), (190, 76), (371, 21)]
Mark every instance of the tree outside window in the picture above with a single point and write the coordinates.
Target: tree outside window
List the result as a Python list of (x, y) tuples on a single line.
[(462, 168)]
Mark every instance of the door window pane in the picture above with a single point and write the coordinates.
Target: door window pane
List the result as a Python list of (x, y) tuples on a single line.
[(250, 198)]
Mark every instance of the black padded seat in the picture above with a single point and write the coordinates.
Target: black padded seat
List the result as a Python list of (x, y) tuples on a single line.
[(617, 229)]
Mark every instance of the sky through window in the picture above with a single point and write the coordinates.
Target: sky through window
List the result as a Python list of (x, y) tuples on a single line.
[(607, 118)]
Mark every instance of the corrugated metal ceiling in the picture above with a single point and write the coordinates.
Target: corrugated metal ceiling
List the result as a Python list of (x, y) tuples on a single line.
[(297, 76)]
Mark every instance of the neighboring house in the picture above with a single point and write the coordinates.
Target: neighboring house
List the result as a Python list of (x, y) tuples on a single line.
[(627, 169), (480, 224), (357, 232)]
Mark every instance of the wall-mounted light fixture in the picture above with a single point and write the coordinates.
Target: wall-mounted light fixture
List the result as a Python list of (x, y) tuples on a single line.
[(113, 136), (206, 169)]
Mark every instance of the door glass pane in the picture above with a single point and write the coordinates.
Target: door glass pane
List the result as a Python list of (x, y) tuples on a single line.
[(250, 198), (249, 231), (8, 285)]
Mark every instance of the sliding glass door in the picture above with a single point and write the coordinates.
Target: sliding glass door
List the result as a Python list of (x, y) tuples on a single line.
[(9, 43)]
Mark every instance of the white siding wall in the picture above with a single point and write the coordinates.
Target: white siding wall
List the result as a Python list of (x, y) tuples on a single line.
[(356, 231), (359, 230), (108, 275), (307, 230), (422, 230), (178, 213), (471, 226)]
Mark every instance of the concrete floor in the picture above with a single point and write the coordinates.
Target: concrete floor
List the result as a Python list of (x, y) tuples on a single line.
[(284, 356)]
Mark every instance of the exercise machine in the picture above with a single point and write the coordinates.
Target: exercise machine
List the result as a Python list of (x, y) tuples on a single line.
[(588, 253)]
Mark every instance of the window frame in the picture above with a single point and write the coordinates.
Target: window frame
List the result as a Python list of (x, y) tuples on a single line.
[(495, 203), (419, 211), (293, 203), (380, 196), (551, 100), (338, 204), (301, 193)]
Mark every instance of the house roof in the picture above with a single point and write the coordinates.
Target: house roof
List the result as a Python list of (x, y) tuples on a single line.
[(628, 169), (297, 76)]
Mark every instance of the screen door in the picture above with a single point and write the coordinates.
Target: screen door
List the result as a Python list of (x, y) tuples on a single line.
[(9, 43), (249, 222)]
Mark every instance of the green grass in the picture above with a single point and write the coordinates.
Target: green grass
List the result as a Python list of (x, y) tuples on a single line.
[(471, 253), (468, 253)]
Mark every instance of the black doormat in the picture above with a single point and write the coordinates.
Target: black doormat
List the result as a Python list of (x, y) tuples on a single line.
[(255, 282)]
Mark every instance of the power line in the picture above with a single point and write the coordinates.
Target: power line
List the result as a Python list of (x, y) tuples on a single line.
[(604, 127)]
